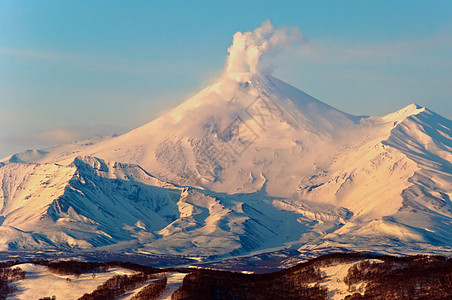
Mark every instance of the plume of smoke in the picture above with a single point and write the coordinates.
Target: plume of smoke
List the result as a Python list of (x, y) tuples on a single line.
[(248, 48)]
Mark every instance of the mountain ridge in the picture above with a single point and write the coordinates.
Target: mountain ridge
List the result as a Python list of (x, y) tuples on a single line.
[(362, 193), (248, 164)]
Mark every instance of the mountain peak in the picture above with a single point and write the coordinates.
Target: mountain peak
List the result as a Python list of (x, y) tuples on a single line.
[(402, 114)]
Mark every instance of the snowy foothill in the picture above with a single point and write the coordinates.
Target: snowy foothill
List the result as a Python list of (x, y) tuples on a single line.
[(39, 282)]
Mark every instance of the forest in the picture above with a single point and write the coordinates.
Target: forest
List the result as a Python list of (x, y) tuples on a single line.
[(371, 276)]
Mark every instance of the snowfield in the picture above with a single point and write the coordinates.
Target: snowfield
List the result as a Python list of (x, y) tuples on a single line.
[(40, 283)]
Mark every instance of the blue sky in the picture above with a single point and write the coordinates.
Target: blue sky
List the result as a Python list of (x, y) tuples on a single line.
[(70, 69)]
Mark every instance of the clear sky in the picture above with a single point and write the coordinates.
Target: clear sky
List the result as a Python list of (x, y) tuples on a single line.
[(71, 69)]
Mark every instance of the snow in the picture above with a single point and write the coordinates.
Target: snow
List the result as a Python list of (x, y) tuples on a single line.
[(39, 283), (334, 279), (175, 280), (247, 164), (132, 293)]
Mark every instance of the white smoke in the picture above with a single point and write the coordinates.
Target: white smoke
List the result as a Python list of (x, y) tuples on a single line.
[(248, 48)]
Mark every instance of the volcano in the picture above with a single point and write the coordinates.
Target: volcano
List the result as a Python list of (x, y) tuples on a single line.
[(248, 164)]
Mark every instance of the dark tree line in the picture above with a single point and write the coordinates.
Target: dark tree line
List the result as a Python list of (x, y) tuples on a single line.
[(419, 277), (117, 286), (415, 277), (7, 276), (73, 267), (296, 283), (152, 291), (48, 298), (9, 263)]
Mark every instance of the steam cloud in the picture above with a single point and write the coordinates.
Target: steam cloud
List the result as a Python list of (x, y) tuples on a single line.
[(248, 48)]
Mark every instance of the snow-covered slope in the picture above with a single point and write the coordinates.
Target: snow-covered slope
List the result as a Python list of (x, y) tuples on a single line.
[(360, 183), (87, 203), (94, 203), (398, 186), (228, 135), (39, 283), (247, 164)]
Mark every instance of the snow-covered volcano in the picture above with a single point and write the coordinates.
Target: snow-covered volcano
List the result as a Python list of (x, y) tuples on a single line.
[(249, 163), (235, 135)]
